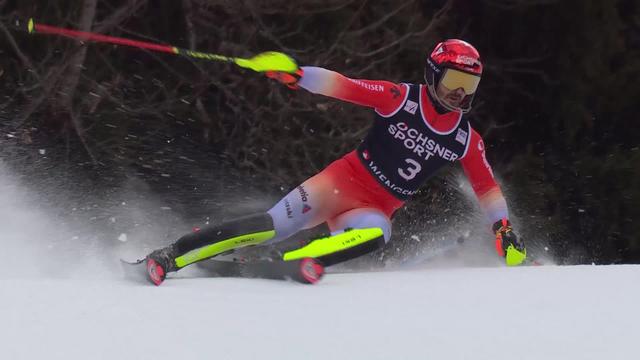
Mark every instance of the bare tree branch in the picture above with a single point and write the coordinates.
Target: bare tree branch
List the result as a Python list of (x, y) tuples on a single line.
[(25, 60), (517, 4), (120, 15)]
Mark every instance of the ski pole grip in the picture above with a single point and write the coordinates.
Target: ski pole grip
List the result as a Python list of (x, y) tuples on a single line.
[(28, 26)]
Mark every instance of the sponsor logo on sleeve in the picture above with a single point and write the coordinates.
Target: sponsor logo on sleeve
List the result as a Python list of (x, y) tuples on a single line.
[(287, 206), (368, 86), (304, 196), (411, 107), (461, 136), (395, 91)]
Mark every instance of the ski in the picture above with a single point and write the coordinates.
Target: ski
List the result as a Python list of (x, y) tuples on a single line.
[(134, 270), (143, 270), (306, 270)]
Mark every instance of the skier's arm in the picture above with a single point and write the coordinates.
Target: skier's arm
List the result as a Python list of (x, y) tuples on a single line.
[(480, 175), (384, 96), (492, 202)]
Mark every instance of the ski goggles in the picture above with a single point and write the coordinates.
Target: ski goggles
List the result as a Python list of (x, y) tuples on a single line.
[(454, 79)]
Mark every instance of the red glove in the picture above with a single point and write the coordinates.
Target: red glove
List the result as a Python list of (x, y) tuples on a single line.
[(289, 79)]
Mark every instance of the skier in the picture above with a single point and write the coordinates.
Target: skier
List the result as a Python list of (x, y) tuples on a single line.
[(418, 129)]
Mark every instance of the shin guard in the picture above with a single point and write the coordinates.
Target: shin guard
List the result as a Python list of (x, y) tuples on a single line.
[(215, 240), (341, 247)]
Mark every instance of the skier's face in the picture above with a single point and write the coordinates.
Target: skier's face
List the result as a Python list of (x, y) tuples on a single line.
[(452, 98)]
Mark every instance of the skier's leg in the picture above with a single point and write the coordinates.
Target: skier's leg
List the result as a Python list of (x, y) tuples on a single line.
[(361, 218), (335, 193), (308, 205), (214, 240), (354, 233), (207, 242)]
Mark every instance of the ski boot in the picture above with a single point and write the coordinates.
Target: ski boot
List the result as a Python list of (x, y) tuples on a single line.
[(310, 271), (160, 262)]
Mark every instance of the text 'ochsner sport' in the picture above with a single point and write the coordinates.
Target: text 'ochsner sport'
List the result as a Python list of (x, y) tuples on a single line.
[(419, 143)]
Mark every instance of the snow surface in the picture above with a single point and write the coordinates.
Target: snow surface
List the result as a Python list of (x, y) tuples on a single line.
[(62, 300), (579, 312)]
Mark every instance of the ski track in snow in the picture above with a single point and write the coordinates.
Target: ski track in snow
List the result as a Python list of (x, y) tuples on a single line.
[(62, 300)]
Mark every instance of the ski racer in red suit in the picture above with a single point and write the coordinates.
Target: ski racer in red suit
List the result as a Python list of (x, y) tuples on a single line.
[(417, 130)]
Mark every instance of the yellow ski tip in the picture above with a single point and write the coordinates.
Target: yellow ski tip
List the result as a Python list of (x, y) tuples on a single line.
[(31, 26)]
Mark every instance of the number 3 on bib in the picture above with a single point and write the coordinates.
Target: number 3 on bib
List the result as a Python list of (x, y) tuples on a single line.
[(410, 172)]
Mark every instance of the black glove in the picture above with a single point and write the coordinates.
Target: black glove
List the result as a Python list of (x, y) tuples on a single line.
[(507, 243)]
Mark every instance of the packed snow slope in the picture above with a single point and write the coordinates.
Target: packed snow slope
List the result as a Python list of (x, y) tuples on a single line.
[(578, 312), (63, 295)]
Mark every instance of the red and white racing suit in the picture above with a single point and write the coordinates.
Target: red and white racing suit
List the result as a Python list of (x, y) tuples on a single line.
[(407, 144)]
